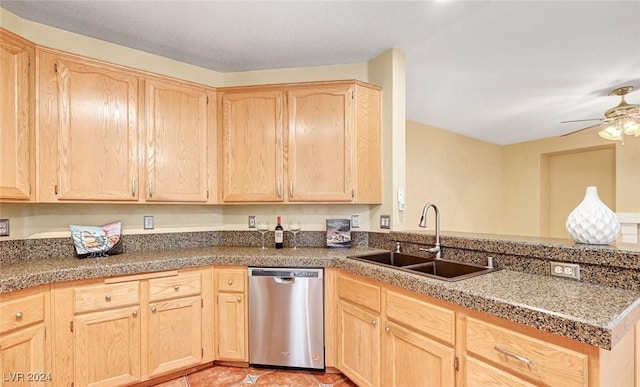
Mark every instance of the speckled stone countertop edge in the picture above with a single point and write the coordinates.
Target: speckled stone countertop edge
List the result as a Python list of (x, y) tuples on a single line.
[(604, 332)]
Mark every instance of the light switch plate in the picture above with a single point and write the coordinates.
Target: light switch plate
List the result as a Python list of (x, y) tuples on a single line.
[(4, 227), (149, 223), (355, 221)]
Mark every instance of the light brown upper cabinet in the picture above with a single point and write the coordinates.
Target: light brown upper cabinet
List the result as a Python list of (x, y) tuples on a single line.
[(179, 128), (17, 90), (111, 134), (251, 144), (313, 142), (88, 130)]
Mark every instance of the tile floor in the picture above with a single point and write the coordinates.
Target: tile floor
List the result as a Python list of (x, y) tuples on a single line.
[(221, 376)]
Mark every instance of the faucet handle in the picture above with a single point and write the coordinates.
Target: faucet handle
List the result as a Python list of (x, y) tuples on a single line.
[(490, 262), (397, 247)]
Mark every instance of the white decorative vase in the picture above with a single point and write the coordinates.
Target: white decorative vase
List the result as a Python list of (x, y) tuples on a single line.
[(592, 221)]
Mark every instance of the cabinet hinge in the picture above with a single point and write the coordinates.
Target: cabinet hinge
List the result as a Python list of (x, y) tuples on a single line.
[(201, 303), (207, 194), (353, 94), (201, 352), (71, 326), (456, 363), (55, 67), (207, 100), (353, 193)]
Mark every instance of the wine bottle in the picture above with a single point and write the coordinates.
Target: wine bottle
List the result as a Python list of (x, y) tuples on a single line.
[(279, 234)]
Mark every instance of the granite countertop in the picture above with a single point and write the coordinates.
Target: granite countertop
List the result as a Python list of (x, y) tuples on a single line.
[(590, 313)]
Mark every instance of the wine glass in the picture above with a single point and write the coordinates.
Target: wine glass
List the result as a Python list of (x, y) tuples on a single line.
[(263, 227), (295, 226)]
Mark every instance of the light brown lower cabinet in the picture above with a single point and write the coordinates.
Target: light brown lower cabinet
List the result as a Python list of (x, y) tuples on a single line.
[(380, 341), (122, 330), (231, 324), (387, 336), (25, 357)]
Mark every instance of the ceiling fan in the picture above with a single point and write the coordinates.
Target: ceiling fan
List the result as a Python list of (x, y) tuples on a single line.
[(619, 121)]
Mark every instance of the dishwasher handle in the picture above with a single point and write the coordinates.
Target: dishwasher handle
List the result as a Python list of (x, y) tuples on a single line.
[(284, 280)]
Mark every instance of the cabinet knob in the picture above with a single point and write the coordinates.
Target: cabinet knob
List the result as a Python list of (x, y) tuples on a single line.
[(239, 299), (18, 315), (374, 322), (135, 313), (230, 282), (176, 288), (107, 298), (387, 329), (153, 309)]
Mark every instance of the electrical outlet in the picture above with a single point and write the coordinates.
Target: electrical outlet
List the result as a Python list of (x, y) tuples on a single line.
[(567, 270), (385, 221), (4, 227), (355, 221), (148, 222), (252, 221)]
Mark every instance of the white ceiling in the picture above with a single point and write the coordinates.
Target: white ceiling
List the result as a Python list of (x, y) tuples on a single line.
[(500, 71)]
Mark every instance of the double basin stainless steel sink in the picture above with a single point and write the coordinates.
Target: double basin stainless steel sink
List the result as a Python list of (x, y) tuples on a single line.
[(443, 269)]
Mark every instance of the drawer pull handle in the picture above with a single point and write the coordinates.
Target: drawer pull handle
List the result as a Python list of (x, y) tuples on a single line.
[(239, 299), (176, 288), (374, 322), (230, 282), (387, 329), (510, 354), (153, 309), (107, 298), (19, 316), (135, 313)]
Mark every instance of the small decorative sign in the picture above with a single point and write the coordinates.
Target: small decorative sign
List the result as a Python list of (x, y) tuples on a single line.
[(338, 233), (97, 241)]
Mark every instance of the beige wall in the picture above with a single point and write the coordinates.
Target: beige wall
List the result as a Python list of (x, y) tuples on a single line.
[(388, 71), (45, 220), (524, 190), (461, 175), (521, 189)]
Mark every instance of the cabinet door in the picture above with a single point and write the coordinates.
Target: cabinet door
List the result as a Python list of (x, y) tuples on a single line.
[(231, 327), (88, 127), (22, 356), (178, 123), (16, 118), (358, 339), (107, 347), (414, 360), (251, 146), (174, 334), (321, 143)]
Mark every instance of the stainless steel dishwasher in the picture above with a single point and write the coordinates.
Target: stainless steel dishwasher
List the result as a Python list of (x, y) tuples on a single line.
[(286, 317)]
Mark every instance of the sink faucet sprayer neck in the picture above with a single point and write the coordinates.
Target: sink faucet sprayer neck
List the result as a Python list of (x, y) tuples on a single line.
[(423, 223)]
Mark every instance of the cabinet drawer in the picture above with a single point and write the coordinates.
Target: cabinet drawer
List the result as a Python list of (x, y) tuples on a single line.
[(359, 292), (482, 374), (21, 312), (177, 286), (542, 361), (231, 280), (421, 316), (106, 296)]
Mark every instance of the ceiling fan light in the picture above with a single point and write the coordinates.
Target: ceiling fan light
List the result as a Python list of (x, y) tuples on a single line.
[(611, 132), (631, 127)]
